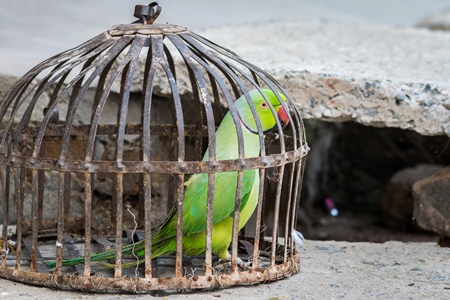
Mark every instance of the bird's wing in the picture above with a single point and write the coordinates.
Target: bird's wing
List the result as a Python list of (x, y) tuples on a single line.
[(167, 229), (195, 198), (194, 217)]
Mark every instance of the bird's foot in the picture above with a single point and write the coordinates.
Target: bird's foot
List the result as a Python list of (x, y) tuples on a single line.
[(225, 263), (10, 247)]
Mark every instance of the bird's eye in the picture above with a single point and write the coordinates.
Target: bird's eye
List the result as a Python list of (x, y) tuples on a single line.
[(264, 105)]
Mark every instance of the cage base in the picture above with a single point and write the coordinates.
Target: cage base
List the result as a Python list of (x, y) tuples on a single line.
[(147, 285)]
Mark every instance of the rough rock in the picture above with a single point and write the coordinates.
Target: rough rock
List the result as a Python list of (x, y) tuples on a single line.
[(378, 76), (6, 81), (397, 199), (431, 202), (335, 69), (105, 150), (342, 71), (437, 21), (50, 199)]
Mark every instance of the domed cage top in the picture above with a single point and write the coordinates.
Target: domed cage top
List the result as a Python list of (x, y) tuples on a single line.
[(98, 143)]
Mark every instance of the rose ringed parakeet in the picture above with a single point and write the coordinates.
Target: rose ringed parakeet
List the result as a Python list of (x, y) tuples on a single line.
[(195, 196)]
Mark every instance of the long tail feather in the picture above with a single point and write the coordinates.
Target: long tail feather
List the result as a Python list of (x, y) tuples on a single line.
[(110, 254)]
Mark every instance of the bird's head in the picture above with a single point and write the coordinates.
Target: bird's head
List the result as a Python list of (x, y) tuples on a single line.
[(263, 110)]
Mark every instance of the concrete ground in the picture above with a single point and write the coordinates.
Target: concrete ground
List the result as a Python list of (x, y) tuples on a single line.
[(329, 270), (32, 31)]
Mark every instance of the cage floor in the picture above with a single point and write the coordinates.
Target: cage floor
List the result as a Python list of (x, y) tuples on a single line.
[(163, 266)]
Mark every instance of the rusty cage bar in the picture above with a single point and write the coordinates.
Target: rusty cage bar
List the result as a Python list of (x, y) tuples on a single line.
[(54, 132)]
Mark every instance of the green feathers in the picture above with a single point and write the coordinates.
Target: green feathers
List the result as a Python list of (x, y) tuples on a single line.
[(195, 197)]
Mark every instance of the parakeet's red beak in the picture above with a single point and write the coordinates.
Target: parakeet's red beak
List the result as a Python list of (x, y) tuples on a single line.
[(283, 117)]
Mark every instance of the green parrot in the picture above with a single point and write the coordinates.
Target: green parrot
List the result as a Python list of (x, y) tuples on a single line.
[(195, 196)]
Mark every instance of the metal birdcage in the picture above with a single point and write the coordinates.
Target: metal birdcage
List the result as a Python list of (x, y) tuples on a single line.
[(75, 181)]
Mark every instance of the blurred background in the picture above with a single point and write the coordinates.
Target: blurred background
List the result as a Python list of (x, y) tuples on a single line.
[(31, 31)]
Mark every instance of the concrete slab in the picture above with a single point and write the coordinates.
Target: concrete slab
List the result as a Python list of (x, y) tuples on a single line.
[(341, 71), (337, 69), (329, 270)]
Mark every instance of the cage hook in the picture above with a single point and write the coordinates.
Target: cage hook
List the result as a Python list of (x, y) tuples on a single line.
[(147, 14)]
